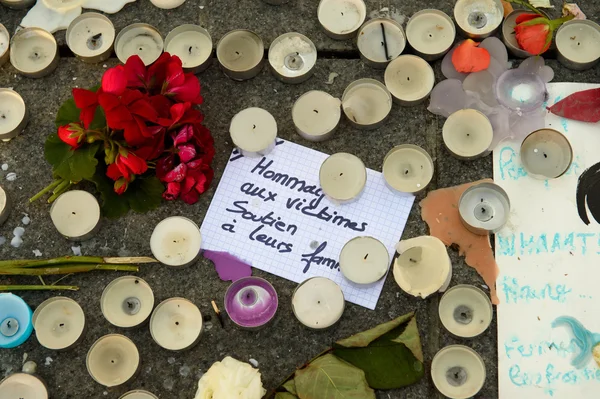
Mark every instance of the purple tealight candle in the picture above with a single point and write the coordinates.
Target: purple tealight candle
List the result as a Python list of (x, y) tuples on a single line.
[(251, 302)]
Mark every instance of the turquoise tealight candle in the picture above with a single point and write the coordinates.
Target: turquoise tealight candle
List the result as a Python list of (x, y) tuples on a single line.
[(15, 321)]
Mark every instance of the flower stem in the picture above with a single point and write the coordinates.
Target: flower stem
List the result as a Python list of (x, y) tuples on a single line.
[(45, 190), (526, 5), (48, 262), (66, 270), (38, 288), (62, 187)]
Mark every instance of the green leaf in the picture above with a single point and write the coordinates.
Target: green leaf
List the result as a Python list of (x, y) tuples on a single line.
[(99, 121), (332, 378), (389, 354), (285, 395), (67, 113), (142, 195), (69, 164), (290, 386)]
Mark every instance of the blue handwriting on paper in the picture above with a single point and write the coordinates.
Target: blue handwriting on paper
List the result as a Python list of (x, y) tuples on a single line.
[(573, 243), (515, 292), (552, 378), (516, 349)]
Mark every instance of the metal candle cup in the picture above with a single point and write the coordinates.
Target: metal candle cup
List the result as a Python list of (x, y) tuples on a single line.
[(17, 4), (253, 131), (176, 324), (59, 323), (251, 302), (318, 303), (23, 385), (4, 45), (343, 177), (167, 4), (34, 52), (341, 18), (484, 208), (292, 57), (478, 19), (5, 206), (127, 301), (14, 115), (91, 37), (577, 42), (240, 53), (192, 44), (364, 260), (113, 360), (458, 372), (430, 33), (410, 79), (468, 134), (176, 241), (139, 39), (15, 321), (367, 103), (407, 168), (76, 215), (379, 41), (546, 154), (138, 394), (465, 311), (316, 115), (508, 34)]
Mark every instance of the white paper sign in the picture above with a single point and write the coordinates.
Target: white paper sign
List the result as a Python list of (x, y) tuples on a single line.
[(271, 213), (549, 262)]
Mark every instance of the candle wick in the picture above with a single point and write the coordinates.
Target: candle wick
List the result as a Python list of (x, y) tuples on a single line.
[(129, 305), (190, 50), (412, 260), (8, 324), (253, 126), (365, 258), (316, 112), (385, 46), (341, 174), (545, 155)]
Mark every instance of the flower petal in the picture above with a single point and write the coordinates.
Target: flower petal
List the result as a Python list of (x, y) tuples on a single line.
[(177, 174), (114, 80), (186, 152), (467, 57)]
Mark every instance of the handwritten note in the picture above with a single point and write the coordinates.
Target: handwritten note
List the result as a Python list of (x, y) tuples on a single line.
[(271, 213), (549, 267)]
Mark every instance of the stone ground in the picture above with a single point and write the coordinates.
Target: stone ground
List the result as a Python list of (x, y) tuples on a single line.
[(285, 344)]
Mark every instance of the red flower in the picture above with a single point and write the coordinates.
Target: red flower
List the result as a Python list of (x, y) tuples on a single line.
[(468, 57), (186, 152), (534, 32), (172, 191), (126, 165), (87, 102), (121, 186), (182, 87), (72, 134)]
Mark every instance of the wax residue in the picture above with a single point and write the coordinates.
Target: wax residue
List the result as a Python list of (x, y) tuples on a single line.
[(586, 340), (440, 211), (229, 267)]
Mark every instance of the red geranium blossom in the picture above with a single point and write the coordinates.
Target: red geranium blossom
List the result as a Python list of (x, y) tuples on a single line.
[(71, 134), (87, 102)]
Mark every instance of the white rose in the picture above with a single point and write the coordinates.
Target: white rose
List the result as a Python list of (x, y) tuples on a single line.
[(230, 379)]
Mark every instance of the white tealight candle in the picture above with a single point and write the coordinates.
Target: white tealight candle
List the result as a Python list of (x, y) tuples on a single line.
[(176, 324), (139, 39), (341, 18), (292, 57), (484, 208), (76, 215), (410, 79), (458, 372), (379, 41), (423, 266), (90, 37), (366, 103), (578, 46), (139, 394), (343, 177), (113, 360), (508, 34), (23, 385), (240, 54), (14, 115), (192, 44), (167, 4), (4, 45), (364, 260), (127, 301), (17, 4), (546, 154), (407, 168), (4, 206), (318, 303), (58, 323), (431, 33), (478, 19), (316, 115), (34, 52), (465, 311), (253, 132), (468, 134), (176, 241)]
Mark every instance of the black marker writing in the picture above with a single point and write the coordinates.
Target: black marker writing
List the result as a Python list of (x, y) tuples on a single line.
[(314, 257), (323, 213), (268, 219), (282, 247), (291, 182), (254, 191)]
